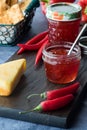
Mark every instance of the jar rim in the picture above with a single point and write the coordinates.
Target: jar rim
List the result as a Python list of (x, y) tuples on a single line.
[(76, 51)]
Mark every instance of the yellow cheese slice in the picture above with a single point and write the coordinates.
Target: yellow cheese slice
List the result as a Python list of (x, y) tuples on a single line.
[(10, 74)]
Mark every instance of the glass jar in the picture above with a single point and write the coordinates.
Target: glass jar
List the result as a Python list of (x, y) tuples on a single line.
[(63, 21), (83, 45), (59, 67)]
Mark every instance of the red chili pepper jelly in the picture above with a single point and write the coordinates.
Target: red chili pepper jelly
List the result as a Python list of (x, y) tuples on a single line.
[(64, 21), (59, 67)]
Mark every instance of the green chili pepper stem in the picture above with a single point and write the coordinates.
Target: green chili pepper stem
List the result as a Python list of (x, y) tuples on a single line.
[(42, 95), (37, 108), (25, 112), (32, 95)]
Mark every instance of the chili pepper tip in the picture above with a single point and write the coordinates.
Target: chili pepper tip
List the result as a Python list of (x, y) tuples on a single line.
[(20, 51)]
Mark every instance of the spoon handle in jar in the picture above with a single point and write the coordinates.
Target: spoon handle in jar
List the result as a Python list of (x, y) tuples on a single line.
[(81, 32)]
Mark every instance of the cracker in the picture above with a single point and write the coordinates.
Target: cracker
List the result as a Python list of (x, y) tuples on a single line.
[(3, 6), (15, 14), (8, 2), (5, 20), (14, 2), (24, 4)]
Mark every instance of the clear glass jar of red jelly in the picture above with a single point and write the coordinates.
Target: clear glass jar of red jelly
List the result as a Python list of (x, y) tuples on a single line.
[(59, 67), (63, 21)]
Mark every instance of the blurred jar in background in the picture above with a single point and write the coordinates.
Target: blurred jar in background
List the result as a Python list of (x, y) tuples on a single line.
[(63, 21)]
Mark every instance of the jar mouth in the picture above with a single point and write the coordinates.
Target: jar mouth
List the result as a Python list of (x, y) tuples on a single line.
[(65, 45)]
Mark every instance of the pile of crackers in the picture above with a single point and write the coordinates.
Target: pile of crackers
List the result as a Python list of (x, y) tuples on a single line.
[(11, 11)]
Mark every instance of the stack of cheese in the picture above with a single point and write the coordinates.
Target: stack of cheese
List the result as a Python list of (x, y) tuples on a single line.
[(10, 74)]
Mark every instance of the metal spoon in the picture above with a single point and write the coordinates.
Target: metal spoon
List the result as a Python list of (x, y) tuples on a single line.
[(78, 37)]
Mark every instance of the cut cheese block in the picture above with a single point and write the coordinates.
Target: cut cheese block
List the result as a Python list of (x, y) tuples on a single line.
[(10, 74)]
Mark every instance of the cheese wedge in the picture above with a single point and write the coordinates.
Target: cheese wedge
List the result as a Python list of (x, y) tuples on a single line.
[(10, 74)]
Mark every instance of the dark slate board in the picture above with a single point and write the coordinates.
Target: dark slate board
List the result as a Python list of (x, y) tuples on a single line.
[(35, 81)]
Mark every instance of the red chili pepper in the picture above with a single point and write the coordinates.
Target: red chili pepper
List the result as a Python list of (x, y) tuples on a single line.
[(34, 40), (39, 53), (34, 46), (83, 4), (85, 1), (84, 18), (50, 105), (49, 95), (43, 7)]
